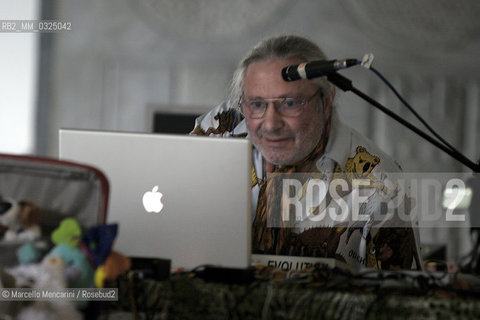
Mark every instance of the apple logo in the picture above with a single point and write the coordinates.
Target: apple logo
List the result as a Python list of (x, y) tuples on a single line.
[(152, 200)]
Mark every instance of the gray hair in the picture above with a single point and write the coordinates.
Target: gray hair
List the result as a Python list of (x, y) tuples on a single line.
[(282, 47)]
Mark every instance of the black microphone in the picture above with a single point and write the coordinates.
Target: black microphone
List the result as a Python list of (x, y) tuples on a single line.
[(315, 69)]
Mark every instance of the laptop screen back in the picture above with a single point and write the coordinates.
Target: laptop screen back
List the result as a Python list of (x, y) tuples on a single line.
[(183, 198)]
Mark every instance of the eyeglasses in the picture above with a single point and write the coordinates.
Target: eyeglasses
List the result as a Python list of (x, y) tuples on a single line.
[(287, 107)]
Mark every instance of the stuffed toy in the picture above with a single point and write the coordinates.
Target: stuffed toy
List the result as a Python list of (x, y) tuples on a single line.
[(78, 271), (49, 274), (29, 253), (68, 232), (115, 265), (97, 242), (20, 219), (90, 257)]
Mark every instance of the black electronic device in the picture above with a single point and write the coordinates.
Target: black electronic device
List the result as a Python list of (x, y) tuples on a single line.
[(151, 268)]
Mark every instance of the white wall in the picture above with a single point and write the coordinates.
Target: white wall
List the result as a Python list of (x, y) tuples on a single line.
[(18, 79)]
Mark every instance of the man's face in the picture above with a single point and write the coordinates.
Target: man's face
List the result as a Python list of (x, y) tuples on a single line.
[(283, 140)]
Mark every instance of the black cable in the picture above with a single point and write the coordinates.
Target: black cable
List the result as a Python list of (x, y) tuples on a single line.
[(409, 107)]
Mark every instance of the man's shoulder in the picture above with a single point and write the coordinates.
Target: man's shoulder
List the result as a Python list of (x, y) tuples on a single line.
[(223, 120), (367, 156), (356, 153)]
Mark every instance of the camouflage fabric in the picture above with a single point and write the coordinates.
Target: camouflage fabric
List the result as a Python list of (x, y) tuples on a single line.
[(323, 294)]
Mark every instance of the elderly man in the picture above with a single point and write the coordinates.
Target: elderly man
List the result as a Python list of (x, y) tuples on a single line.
[(294, 129)]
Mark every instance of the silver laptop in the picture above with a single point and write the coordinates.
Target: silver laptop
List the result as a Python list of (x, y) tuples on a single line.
[(183, 198)]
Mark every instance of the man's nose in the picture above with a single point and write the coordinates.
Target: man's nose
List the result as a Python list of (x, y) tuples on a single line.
[(273, 120)]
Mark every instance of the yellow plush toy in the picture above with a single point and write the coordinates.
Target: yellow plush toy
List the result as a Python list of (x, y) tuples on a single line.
[(114, 265)]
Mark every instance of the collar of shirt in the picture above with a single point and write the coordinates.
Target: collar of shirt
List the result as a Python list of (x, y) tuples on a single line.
[(339, 142)]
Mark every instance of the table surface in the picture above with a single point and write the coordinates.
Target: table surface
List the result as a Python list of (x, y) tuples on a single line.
[(312, 294)]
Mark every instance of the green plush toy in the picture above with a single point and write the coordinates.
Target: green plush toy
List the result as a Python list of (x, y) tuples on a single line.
[(68, 232)]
